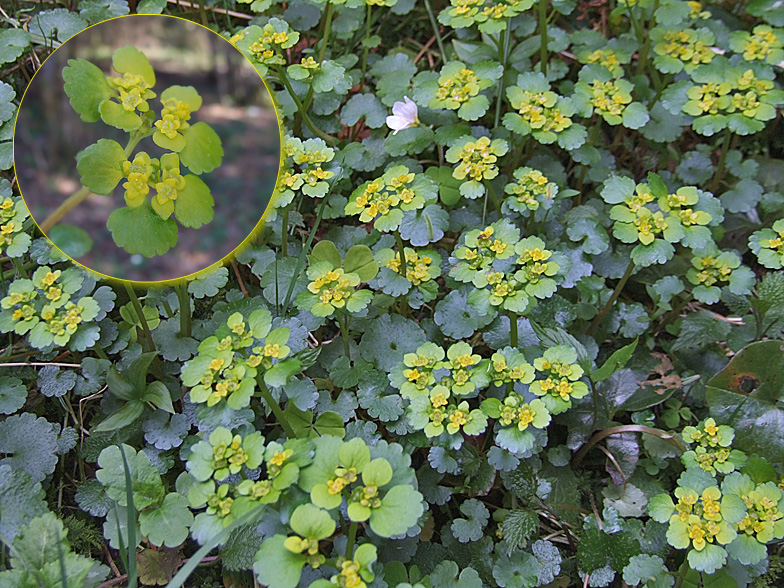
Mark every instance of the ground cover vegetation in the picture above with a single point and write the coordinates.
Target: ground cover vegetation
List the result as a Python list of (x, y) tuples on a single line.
[(516, 318)]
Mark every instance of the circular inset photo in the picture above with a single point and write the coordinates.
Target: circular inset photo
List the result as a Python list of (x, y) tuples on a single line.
[(147, 148)]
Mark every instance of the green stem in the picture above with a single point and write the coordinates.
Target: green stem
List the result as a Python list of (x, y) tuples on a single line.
[(617, 292), (343, 324), (352, 538), (137, 306), (725, 147), (327, 32), (185, 309), (543, 57), (100, 352), (68, 204), (437, 32), (275, 407), (22, 269), (283, 78), (503, 55), (401, 252), (284, 237), (303, 254), (366, 49), (513, 329), (682, 574)]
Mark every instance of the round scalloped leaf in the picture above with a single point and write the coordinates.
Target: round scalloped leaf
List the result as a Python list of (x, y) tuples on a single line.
[(86, 87), (203, 150), (167, 523), (13, 394), (185, 94), (115, 115), (129, 59), (276, 566), (193, 207), (71, 240), (100, 166), (141, 230), (400, 509)]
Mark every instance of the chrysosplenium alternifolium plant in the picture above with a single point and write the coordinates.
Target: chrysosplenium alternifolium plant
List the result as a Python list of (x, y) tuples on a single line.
[(159, 193)]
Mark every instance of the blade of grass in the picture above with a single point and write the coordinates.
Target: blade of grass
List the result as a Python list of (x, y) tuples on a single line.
[(131, 520)]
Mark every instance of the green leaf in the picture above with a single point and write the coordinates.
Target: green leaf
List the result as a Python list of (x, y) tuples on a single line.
[(471, 528), (13, 42), (359, 260), (59, 23), (445, 576), (167, 524), (771, 11), (203, 151), (141, 230), (400, 509), (129, 59), (145, 479), (194, 205), (330, 423), (747, 395), (13, 394), (100, 166), (159, 395), (616, 361), (312, 522), (518, 570), (151, 7), (325, 251), (648, 571), (30, 444), (71, 240), (276, 566), (115, 115)]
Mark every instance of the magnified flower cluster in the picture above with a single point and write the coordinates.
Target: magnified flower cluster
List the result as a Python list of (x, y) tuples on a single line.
[(156, 190)]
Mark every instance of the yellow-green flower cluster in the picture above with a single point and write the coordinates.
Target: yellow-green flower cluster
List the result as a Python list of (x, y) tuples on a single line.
[(481, 248), (561, 375), (713, 452), (265, 45), (42, 307), (163, 175), (304, 162), (763, 43), (476, 161), (531, 190), (13, 214), (608, 58), (134, 91), (385, 199), (419, 266), (679, 49), (768, 245), (435, 413), (697, 10), (764, 517), (491, 16)]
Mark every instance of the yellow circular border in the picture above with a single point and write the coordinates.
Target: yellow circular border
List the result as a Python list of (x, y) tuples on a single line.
[(223, 260)]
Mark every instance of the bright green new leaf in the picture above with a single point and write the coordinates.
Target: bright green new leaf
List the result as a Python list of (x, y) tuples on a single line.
[(101, 166), (203, 151), (141, 230), (86, 87), (194, 205)]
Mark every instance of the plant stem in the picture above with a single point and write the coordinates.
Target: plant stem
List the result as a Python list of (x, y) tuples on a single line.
[(100, 352), (69, 203), (327, 32), (725, 147), (185, 309), (401, 252), (304, 252), (543, 57), (366, 49), (352, 538), (343, 324), (283, 78), (617, 292), (682, 574), (137, 306), (275, 407), (437, 32), (284, 236), (513, 329), (503, 55)]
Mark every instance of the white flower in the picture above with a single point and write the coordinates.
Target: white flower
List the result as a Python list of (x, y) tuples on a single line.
[(404, 115)]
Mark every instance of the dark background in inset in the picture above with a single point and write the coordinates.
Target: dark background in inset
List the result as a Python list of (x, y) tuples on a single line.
[(236, 104)]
